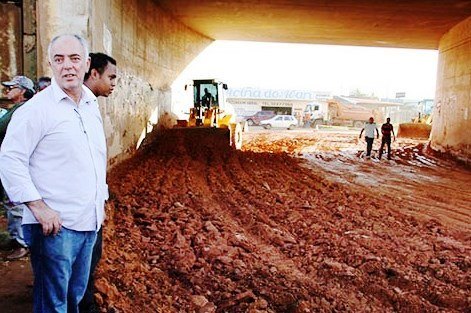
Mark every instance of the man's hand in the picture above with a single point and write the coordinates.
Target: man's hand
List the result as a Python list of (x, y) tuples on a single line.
[(49, 219)]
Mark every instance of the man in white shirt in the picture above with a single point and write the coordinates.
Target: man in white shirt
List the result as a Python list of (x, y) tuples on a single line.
[(369, 129), (53, 159)]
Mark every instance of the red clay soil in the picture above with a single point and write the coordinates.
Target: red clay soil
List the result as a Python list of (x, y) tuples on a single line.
[(282, 227), (16, 292)]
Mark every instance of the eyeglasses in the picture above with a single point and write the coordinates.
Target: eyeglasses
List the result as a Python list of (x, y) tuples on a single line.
[(82, 126)]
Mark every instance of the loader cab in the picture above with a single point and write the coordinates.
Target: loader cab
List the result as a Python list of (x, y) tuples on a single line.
[(208, 93), (209, 102), (314, 111)]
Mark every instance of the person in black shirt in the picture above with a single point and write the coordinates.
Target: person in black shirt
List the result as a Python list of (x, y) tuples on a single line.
[(386, 129), (208, 99), (101, 80)]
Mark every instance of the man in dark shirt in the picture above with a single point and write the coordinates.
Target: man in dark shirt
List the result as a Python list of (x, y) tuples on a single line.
[(18, 91), (208, 99), (101, 80), (387, 129)]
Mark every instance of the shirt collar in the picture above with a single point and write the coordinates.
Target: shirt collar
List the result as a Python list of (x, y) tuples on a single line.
[(59, 94), (87, 95)]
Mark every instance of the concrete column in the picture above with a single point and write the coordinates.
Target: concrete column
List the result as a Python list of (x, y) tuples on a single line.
[(29, 39), (55, 17), (10, 41), (150, 47), (451, 130)]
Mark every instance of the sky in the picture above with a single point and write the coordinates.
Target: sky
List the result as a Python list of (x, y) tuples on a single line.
[(339, 69)]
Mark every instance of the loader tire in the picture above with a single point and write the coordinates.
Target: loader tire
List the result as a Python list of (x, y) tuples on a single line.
[(245, 127), (236, 136)]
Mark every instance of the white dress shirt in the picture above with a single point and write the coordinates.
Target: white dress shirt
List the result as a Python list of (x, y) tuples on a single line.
[(55, 150), (370, 130)]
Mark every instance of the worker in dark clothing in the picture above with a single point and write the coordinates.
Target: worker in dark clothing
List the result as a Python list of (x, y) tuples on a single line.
[(18, 91), (101, 80), (207, 100), (387, 129)]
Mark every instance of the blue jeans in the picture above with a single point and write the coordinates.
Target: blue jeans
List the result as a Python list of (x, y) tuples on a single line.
[(369, 145), (61, 266)]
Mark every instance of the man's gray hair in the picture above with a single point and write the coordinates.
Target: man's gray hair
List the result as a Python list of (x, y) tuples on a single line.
[(82, 41)]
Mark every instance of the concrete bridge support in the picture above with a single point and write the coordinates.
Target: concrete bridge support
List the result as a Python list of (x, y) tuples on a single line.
[(151, 49), (451, 131)]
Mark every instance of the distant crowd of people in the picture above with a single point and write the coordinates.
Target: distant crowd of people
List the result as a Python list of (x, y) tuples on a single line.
[(53, 173)]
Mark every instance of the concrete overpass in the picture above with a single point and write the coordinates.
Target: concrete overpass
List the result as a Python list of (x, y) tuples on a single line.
[(406, 24), (153, 41)]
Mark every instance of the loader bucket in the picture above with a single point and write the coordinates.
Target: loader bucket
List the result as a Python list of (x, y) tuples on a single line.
[(192, 141), (414, 130)]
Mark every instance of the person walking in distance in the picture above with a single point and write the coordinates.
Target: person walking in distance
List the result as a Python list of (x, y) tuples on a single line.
[(369, 130), (53, 159), (386, 130), (101, 80)]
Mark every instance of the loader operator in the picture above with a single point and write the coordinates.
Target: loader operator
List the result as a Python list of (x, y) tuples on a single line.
[(207, 100)]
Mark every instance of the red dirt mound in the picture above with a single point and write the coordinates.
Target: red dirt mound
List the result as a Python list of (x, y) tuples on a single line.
[(192, 229)]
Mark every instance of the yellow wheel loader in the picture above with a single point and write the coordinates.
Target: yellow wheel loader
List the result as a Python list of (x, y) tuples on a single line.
[(211, 115), (419, 128)]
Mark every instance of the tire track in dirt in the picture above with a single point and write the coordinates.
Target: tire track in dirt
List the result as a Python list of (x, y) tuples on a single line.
[(274, 259), (286, 258), (215, 175)]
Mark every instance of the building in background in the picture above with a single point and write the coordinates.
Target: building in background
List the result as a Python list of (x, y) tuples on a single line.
[(248, 100)]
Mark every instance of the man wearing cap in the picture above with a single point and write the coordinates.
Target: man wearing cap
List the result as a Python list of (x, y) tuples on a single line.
[(18, 90)]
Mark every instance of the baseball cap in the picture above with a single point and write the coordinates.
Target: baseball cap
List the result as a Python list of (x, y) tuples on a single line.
[(21, 81)]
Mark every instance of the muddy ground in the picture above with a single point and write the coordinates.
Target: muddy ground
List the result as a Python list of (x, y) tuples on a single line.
[(298, 221), (16, 279), (290, 224)]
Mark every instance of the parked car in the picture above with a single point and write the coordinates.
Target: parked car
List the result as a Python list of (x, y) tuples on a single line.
[(282, 121), (258, 117)]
